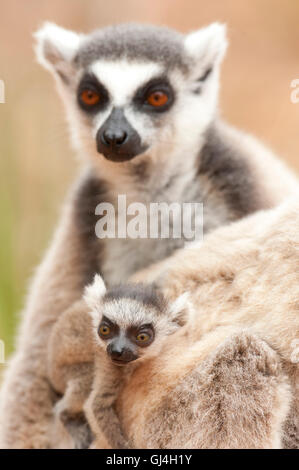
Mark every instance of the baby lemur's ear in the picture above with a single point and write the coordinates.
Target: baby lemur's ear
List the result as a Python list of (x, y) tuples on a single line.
[(207, 46), (178, 309), (94, 292), (56, 47)]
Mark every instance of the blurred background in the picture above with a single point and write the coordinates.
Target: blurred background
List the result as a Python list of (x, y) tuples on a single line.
[(36, 162)]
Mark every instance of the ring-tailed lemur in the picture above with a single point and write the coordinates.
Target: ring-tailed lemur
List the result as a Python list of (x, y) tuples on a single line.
[(142, 105), (92, 342)]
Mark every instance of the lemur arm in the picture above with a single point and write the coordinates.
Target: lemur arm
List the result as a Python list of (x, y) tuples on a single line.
[(100, 406), (71, 368), (27, 397)]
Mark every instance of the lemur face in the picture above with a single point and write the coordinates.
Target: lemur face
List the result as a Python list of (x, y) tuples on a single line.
[(131, 90), (126, 329), (130, 321)]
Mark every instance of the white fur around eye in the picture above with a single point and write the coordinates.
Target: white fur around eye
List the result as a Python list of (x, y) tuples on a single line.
[(122, 79)]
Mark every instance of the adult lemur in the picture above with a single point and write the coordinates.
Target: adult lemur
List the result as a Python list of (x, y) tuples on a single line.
[(142, 106)]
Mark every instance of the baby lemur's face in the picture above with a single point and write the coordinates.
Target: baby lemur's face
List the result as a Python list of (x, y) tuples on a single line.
[(131, 321), (128, 329), (131, 90)]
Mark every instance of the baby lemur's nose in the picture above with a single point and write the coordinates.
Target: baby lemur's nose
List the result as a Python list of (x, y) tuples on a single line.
[(116, 353), (111, 138), (120, 355)]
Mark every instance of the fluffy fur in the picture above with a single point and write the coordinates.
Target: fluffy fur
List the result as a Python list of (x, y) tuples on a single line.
[(227, 378), (79, 368), (232, 369), (191, 156)]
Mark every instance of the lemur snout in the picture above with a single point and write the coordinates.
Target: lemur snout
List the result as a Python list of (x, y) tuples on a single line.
[(117, 140), (120, 354), (111, 138)]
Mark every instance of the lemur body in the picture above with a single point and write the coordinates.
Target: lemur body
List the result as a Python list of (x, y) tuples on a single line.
[(93, 351), (230, 300), (242, 280), (142, 105)]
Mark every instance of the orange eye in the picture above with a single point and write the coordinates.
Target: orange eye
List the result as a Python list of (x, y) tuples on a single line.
[(157, 99), (104, 330), (143, 337), (89, 97)]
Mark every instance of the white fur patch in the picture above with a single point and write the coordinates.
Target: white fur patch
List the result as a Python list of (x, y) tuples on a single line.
[(126, 312), (55, 44), (94, 292), (123, 78), (179, 304), (207, 45)]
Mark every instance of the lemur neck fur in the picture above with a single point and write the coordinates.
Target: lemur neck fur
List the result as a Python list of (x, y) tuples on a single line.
[(148, 177)]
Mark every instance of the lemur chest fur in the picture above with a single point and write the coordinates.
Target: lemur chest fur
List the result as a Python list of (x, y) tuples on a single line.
[(131, 254), (218, 177)]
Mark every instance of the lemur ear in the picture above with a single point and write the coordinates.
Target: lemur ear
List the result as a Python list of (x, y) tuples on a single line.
[(56, 47), (94, 292), (208, 45), (177, 310)]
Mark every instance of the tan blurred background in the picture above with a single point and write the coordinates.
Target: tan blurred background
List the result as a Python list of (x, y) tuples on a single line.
[(36, 162)]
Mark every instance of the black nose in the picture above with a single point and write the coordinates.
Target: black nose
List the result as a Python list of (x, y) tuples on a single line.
[(117, 140), (120, 354), (114, 138)]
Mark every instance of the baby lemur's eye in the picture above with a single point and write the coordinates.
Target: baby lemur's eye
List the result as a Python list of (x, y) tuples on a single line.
[(144, 336), (157, 98), (104, 330), (89, 97)]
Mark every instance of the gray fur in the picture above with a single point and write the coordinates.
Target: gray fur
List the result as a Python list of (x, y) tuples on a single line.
[(134, 42), (222, 181), (89, 194), (228, 173), (146, 294)]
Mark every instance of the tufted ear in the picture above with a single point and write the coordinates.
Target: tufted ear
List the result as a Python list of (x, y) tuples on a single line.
[(177, 310), (207, 46), (56, 47), (94, 292)]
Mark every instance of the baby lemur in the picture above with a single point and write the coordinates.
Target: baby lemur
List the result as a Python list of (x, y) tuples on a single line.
[(95, 346)]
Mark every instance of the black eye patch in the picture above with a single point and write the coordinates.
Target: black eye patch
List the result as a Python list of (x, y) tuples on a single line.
[(156, 85), (90, 86), (107, 329)]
